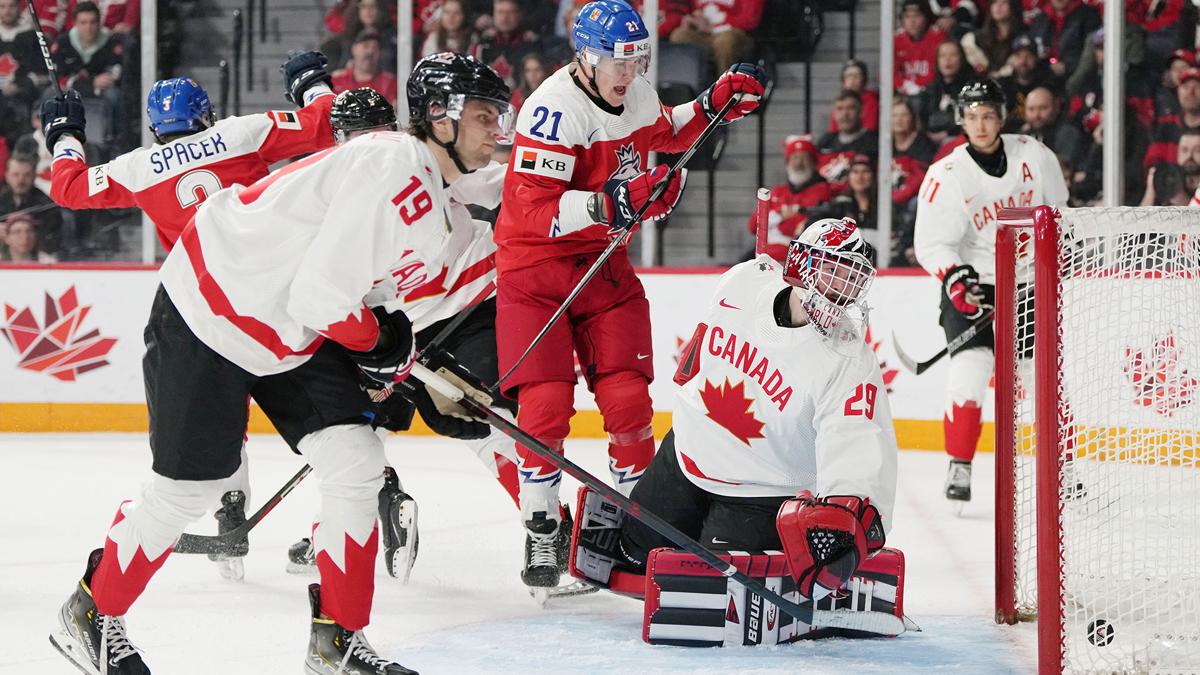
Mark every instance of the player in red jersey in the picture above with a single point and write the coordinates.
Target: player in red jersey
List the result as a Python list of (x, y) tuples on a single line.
[(194, 156), (577, 176)]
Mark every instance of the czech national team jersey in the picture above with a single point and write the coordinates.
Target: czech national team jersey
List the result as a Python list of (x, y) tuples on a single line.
[(566, 148), (959, 204), (169, 181), (470, 258), (770, 411), (264, 272)]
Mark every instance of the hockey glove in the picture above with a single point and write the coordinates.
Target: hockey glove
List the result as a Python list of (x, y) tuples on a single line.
[(746, 79), (625, 197), (825, 539), (446, 417), (966, 294), (302, 70), (389, 361), (63, 115)]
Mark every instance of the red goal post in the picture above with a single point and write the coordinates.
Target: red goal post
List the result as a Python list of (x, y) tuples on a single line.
[(1097, 472)]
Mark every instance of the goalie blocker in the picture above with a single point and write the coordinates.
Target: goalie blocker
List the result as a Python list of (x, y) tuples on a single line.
[(687, 603)]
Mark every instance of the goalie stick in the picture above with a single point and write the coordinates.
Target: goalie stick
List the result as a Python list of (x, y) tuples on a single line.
[(951, 346), (617, 241), (225, 544), (866, 621)]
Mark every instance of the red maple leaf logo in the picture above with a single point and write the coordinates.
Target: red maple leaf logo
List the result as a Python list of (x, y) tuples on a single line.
[(56, 347), (8, 66), (728, 406), (1158, 377), (889, 374)]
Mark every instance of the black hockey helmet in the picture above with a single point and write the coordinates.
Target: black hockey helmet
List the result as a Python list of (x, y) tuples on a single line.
[(358, 110), (439, 87), (983, 91)]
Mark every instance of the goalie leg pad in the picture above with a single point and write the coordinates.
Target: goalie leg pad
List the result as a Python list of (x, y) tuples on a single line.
[(596, 555), (689, 604)]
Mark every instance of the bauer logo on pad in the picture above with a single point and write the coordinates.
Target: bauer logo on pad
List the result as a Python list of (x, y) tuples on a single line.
[(545, 163)]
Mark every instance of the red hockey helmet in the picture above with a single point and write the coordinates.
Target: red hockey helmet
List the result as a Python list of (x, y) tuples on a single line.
[(832, 262)]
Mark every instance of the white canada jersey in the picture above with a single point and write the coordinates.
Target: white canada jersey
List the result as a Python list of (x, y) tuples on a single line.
[(770, 411), (469, 257), (959, 204), (265, 272)]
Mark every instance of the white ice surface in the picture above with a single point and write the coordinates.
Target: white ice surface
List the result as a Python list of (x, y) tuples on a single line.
[(465, 610)]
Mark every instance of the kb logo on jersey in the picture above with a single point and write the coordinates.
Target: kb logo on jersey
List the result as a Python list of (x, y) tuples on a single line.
[(545, 163)]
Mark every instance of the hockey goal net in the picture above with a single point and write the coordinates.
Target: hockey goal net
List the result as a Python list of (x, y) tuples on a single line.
[(1097, 428)]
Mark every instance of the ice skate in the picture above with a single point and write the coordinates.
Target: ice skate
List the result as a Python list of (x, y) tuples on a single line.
[(542, 555), (302, 557), (231, 515), (94, 642), (334, 650), (398, 524), (958, 484)]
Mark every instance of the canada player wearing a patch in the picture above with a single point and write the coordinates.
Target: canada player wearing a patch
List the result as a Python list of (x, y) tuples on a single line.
[(265, 296), (955, 240), (577, 175), (194, 156), (782, 427)]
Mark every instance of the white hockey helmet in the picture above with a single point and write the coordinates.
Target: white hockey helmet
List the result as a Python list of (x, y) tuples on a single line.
[(832, 262)]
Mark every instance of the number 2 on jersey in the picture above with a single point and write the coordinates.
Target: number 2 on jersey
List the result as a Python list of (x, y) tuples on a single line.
[(542, 114), (194, 187), (412, 209), (862, 401)]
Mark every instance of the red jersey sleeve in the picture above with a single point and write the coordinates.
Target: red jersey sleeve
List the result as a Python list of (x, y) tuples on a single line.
[(298, 132), (75, 185)]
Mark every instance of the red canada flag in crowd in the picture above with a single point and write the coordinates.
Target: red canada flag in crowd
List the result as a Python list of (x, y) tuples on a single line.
[(1158, 377), (56, 347)]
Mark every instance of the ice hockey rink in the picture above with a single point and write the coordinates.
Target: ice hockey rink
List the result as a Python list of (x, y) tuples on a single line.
[(465, 609)]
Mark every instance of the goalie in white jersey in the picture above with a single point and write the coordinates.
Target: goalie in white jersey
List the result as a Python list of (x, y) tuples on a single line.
[(265, 296), (955, 240), (782, 426)]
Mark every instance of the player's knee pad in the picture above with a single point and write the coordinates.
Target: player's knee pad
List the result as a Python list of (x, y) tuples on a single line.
[(969, 373), (348, 459), (624, 401), (546, 409)]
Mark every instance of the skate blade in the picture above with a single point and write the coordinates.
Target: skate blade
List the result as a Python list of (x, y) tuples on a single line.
[(957, 507), (67, 646), (400, 565), (232, 569), (549, 594), (305, 570)]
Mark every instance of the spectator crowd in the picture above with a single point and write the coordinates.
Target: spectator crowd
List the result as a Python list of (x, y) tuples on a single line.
[(1048, 56)]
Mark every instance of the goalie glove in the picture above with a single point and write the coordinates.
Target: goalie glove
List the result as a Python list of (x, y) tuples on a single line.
[(968, 296), (825, 539), (390, 360)]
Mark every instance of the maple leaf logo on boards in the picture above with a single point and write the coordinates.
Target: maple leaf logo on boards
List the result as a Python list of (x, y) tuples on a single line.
[(728, 406), (56, 347), (1158, 377), (889, 374)]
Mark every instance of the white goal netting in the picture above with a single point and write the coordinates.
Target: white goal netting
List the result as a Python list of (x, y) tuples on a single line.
[(1123, 392)]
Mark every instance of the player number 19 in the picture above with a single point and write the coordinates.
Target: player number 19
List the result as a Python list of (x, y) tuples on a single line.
[(862, 401), (412, 202)]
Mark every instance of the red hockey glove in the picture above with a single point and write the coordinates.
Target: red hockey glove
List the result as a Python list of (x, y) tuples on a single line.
[(825, 539), (391, 359), (625, 197), (746, 79), (969, 297)]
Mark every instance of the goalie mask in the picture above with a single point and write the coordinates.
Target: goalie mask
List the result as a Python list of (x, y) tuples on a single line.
[(832, 264)]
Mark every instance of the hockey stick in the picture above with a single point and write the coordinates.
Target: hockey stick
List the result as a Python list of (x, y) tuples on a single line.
[(952, 346), (875, 622), (761, 213), (659, 189), (223, 544), (41, 38)]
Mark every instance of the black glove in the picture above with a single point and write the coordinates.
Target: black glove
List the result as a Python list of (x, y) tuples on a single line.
[(63, 115), (389, 361), (447, 425), (395, 413), (968, 296), (302, 70)]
